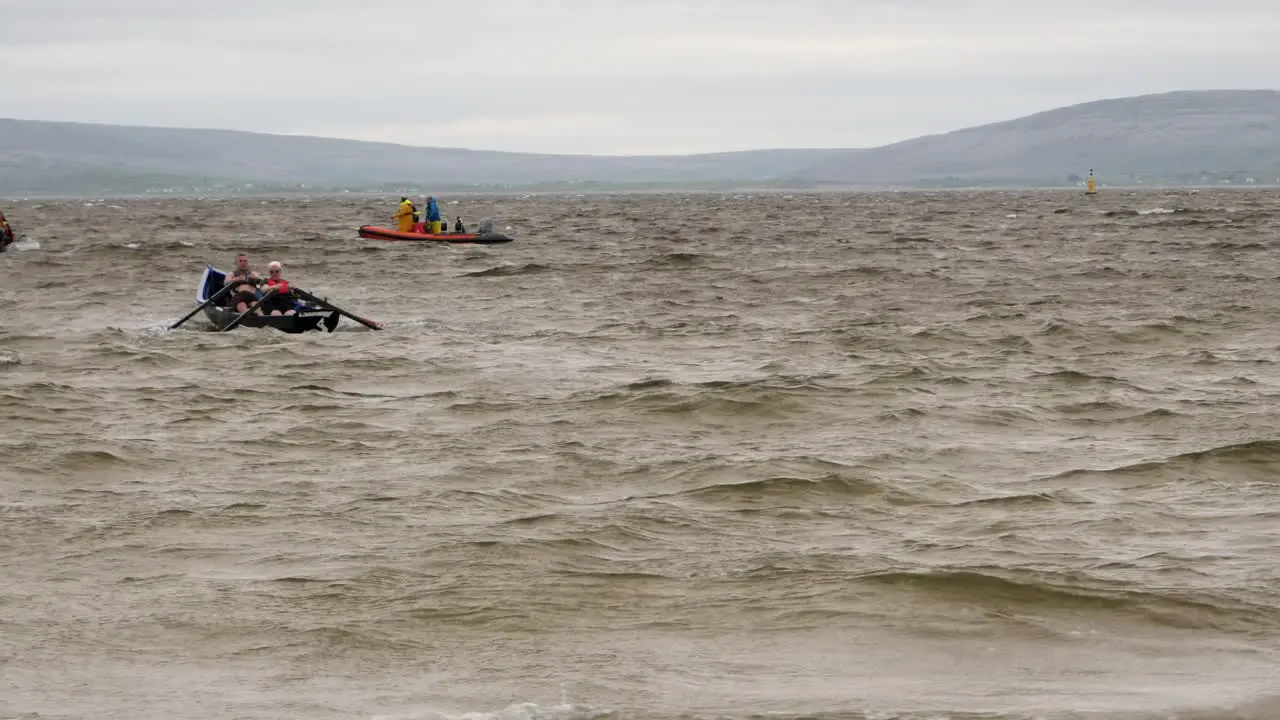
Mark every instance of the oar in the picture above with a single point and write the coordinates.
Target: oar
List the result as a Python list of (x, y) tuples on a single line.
[(241, 316), (324, 303), (203, 305)]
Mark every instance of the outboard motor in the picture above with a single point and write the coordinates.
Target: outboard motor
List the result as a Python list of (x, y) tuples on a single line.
[(486, 226), (457, 225)]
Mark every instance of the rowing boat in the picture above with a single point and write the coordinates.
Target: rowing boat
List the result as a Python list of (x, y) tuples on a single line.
[(308, 317)]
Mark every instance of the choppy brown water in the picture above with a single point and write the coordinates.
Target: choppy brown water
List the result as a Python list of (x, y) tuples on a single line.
[(966, 455)]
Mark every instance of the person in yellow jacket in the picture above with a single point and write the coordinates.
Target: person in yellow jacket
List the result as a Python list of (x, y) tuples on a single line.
[(405, 215)]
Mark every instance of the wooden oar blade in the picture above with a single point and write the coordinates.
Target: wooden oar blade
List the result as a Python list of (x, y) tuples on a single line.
[(372, 325)]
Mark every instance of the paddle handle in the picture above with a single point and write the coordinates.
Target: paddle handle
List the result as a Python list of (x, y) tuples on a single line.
[(203, 305), (241, 316)]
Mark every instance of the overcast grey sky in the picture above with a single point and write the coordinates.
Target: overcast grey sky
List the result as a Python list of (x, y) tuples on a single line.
[(615, 76)]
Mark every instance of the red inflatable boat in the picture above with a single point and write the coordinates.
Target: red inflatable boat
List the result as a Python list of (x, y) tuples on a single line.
[(420, 234)]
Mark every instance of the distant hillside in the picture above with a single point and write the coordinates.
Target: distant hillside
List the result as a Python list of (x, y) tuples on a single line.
[(1174, 138), (76, 158)]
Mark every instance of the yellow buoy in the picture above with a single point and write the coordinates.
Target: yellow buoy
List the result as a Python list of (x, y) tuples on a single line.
[(1091, 190)]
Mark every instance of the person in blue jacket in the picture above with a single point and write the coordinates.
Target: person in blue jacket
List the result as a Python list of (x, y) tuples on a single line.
[(433, 216)]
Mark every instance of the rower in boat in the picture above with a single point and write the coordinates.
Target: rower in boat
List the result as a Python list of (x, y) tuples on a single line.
[(281, 301), (245, 293), (6, 232)]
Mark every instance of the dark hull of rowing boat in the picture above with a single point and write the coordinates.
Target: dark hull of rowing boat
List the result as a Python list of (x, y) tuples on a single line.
[(221, 317)]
